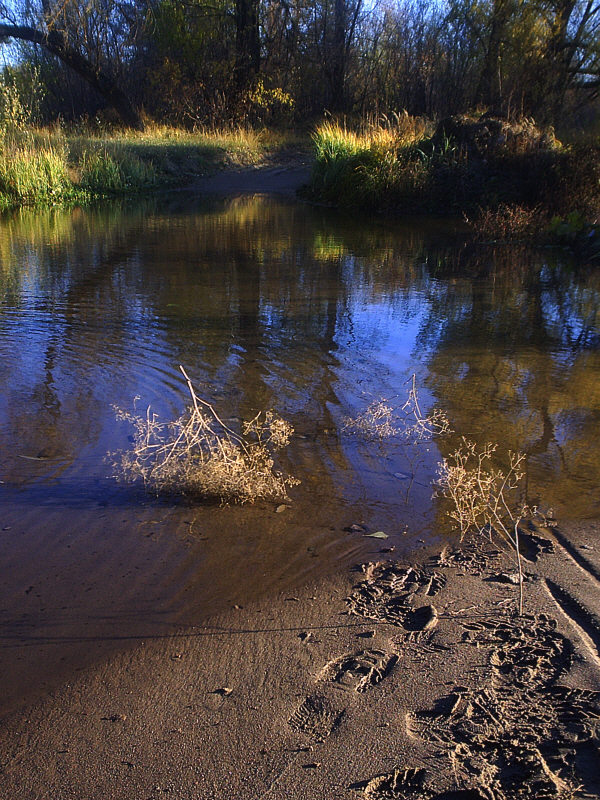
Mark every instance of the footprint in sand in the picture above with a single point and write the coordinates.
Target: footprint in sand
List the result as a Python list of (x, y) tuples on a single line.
[(391, 593), (385, 594), (409, 784), (398, 784), (526, 736), (359, 671), (317, 717), (528, 653)]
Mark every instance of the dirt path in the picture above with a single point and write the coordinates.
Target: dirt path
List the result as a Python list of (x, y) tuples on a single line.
[(282, 178)]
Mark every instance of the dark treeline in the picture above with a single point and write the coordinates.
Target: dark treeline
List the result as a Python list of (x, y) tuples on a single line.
[(197, 62)]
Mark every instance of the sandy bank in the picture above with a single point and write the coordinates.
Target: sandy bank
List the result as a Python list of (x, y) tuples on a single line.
[(390, 682)]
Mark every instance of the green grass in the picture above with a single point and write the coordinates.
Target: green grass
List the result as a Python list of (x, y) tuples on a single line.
[(42, 166), (28, 175), (406, 169)]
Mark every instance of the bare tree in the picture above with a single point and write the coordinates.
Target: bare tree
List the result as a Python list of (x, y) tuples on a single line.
[(247, 42), (92, 39)]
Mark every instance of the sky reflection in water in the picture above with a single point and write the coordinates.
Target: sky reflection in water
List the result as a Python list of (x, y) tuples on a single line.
[(275, 304)]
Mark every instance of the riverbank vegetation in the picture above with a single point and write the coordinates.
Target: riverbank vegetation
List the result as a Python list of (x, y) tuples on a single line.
[(510, 177), (176, 69), (56, 165)]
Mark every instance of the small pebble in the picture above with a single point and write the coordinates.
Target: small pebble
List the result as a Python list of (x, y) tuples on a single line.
[(508, 577)]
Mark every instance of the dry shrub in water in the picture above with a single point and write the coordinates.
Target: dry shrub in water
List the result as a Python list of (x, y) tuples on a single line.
[(380, 421), (200, 456), (484, 498), (417, 426), (376, 422)]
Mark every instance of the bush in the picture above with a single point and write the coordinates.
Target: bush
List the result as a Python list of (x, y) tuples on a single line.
[(509, 222), (575, 232), (198, 455)]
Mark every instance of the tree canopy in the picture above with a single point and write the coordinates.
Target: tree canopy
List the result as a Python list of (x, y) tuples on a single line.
[(212, 61)]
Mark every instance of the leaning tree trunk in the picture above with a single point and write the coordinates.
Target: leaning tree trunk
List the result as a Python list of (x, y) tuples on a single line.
[(55, 42)]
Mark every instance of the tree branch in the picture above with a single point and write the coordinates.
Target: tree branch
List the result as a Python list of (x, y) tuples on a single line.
[(55, 42)]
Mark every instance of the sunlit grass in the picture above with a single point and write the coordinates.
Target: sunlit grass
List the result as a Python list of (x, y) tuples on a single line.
[(333, 139), (363, 166), (29, 173), (237, 145), (52, 165)]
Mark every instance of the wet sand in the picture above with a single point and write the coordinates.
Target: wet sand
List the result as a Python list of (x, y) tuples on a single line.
[(396, 680)]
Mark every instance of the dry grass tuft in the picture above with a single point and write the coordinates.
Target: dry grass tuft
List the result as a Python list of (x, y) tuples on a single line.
[(508, 222), (198, 455)]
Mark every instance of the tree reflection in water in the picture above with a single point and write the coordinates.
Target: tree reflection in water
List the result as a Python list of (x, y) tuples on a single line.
[(275, 304)]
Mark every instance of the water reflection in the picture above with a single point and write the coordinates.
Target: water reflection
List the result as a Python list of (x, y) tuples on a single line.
[(514, 359), (272, 304)]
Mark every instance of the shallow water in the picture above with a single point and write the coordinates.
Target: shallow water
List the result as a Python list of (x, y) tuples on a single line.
[(268, 304)]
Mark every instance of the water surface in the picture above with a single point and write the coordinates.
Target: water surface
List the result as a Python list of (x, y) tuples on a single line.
[(268, 304)]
